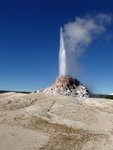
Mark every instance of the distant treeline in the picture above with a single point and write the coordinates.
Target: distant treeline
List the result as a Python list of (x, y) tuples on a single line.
[(24, 92), (103, 96)]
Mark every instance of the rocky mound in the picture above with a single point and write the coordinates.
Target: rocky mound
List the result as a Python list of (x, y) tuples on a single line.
[(66, 85)]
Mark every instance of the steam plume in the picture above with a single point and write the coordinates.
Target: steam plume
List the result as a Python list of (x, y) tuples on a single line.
[(77, 36), (62, 55)]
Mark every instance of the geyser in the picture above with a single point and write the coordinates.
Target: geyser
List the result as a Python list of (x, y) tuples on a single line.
[(64, 84), (74, 39), (62, 56)]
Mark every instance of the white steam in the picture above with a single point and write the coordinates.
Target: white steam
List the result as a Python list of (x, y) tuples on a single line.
[(78, 35), (62, 56)]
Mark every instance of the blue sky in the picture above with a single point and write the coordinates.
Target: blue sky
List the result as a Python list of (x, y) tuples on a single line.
[(29, 44)]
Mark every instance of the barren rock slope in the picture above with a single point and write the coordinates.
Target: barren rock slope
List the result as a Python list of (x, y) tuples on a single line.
[(54, 122)]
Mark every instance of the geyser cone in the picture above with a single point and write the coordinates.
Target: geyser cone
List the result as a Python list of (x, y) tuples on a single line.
[(69, 86)]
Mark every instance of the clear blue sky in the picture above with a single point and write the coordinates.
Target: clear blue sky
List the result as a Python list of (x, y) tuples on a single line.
[(29, 44)]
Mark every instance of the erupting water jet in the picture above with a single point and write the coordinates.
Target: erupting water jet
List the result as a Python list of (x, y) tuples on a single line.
[(62, 55), (64, 84)]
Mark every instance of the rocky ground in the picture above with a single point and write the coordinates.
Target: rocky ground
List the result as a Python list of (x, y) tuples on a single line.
[(40, 121)]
